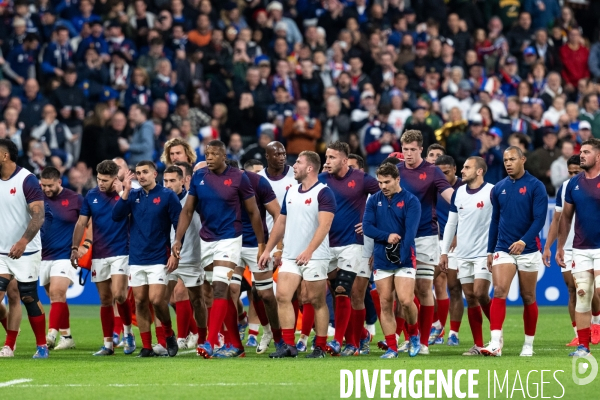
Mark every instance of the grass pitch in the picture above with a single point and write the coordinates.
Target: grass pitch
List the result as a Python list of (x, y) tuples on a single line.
[(75, 374)]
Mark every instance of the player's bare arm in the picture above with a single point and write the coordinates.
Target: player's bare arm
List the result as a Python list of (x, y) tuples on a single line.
[(552, 235), (185, 218), (274, 209), (325, 220), (37, 211), (80, 226), (564, 226), (447, 195), (275, 238)]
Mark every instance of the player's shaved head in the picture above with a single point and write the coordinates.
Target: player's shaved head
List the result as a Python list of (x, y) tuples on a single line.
[(276, 157), (218, 144), (516, 149), (514, 162)]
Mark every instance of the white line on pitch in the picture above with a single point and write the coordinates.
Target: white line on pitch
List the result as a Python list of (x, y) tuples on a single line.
[(154, 384), (14, 382)]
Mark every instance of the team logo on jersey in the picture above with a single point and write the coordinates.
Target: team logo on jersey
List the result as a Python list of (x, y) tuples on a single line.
[(577, 187), (480, 204), (156, 201), (352, 184), (523, 190), (288, 187), (496, 256), (95, 201), (13, 191), (378, 204), (503, 191), (308, 201), (400, 204), (227, 182), (202, 182), (598, 185), (423, 176), (65, 203), (117, 197)]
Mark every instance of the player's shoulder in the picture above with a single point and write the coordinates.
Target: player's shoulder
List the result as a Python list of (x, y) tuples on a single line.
[(200, 173), (92, 192)]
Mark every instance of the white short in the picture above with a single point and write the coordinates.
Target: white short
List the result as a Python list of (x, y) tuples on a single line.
[(379, 274), (568, 262), (249, 257), (60, 268), (221, 250), (585, 260), (525, 262), (345, 257), (451, 259), (315, 270), (104, 268), (142, 275), (470, 269), (24, 269), (191, 275), (364, 271), (428, 256), (208, 277)]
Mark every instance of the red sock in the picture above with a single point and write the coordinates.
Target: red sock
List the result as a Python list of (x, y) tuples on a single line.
[(349, 334), (125, 313), (168, 328), (55, 317), (4, 322), (308, 318), (497, 314), (487, 310), (217, 317), (192, 325), (341, 317), (242, 316), (118, 324), (107, 318), (160, 336), (584, 337), (435, 313), (443, 308), (321, 341), (476, 324), (231, 322), (574, 324), (376, 303), (296, 309), (358, 326), (391, 342), (261, 312), (277, 335), (183, 314), (289, 337), (425, 322), (417, 303), (38, 324), (202, 335), (530, 317), (596, 314), (399, 325), (11, 338), (455, 326), (412, 330), (147, 339)]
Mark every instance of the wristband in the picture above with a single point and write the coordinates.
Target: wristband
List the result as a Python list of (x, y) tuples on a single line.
[(85, 246), (87, 241), (74, 247)]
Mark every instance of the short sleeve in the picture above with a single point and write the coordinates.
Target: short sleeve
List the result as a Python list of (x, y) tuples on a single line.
[(371, 185), (266, 193), (559, 198), (283, 206), (452, 203), (568, 195), (193, 183), (85, 207), (32, 190), (245, 188), (326, 200), (440, 181)]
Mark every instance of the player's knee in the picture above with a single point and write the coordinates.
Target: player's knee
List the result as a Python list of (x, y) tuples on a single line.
[(500, 292), (343, 283), (584, 291), (58, 296), (29, 297), (471, 299), (283, 298), (528, 298)]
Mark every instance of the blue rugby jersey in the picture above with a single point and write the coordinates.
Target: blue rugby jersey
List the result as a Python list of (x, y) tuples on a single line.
[(264, 195), (57, 235), (584, 194)]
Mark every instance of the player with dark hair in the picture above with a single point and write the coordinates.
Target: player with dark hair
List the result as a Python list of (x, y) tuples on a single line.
[(355, 161), (252, 164), (520, 207), (348, 277), (434, 152), (110, 258), (21, 219), (56, 272)]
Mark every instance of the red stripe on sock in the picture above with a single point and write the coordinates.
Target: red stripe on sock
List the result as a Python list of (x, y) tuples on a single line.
[(289, 337), (125, 313), (425, 322), (252, 332), (476, 324), (584, 337), (443, 308), (183, 314), (277, 334), (38, 324), (55, 317), (308, 318), (341, 317), (455, 326), (261, 312), (391, 341), (107, 319), (147, 339), (497, 314), (530, 318), (217, 317), (596, 314)]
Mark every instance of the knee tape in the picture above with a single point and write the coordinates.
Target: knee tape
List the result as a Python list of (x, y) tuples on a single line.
[(222, 274), (4, 284), (236, 279), (29, 290), (264, 284), (584, 291), (344, 280)]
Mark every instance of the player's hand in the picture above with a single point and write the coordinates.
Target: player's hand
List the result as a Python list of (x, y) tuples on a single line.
[(117, 186), (304, 258), (443, 262), (261, 249), (358, 228), (82, 251), (393, 238), (176, 249), (127, 181), (264, 260), (516, 248), (74, 258), (172, 264), (546, 256), (489, 262), (17, 249), (560, 258), (277, 259)]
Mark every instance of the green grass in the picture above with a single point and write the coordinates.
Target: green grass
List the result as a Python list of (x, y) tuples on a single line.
[(76, 374)]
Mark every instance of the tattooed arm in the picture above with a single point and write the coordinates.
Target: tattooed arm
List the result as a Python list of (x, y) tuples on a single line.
[(36, 208)]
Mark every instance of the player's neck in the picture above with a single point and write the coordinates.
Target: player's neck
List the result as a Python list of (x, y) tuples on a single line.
[(275, 171), (395, 192), (309, 182), (148, 188), (7, 170), (590, 173), (476, 184), (415, 165), (343, 172), (453, 182), (221, 169), (518, 176)]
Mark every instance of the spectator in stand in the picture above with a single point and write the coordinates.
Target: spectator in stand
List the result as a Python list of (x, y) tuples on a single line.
[(235, 150), (32, 102), (336, 126), (591, 113), (165, 85), (470, 142), (54, 133), (22, 60), (58, 55), (543, 12), (301, 131), (141, 146), (380, 139), (558, 169), (489, 148), (540, 160), (574, 58)]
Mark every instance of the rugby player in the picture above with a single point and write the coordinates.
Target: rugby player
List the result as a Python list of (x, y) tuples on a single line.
[(22, 217), (471, 210), (150, 212), (304, 223), (520, 206), (392, 219), (110, 258)]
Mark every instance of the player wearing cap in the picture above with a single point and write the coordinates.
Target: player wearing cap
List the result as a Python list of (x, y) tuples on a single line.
[(351, 187), (304, 223), (392, 219), (582, 196), (110, 259), (217, 193), (56, 271), (520, 206), (22, 216), (471, 210), (425, 181)]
